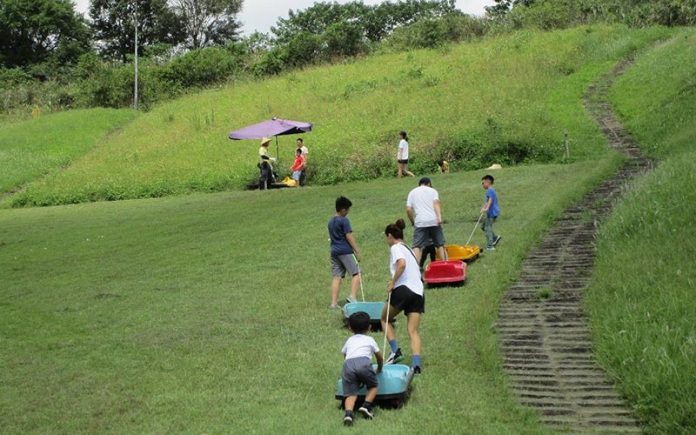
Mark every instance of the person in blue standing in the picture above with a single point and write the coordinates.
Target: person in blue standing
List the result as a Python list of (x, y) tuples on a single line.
[(344, 252), (492, 210)]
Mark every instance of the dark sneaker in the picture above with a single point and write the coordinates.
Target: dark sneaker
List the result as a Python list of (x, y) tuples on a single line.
[(394, 357), (348, 420), (366, 412), (350, 300), (497, 239), (417, 370)]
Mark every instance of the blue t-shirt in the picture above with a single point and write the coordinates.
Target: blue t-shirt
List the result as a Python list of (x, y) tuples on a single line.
[(494, 209), (339, 226)]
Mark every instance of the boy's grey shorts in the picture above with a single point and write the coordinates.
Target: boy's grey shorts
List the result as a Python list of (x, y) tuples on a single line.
[(424, 236), (344, 263), (356, 373)]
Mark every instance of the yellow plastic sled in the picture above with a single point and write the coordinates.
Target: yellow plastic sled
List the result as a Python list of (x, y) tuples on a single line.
[(462, 253)]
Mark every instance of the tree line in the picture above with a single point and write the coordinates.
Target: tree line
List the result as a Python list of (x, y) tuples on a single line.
[(52, 57)]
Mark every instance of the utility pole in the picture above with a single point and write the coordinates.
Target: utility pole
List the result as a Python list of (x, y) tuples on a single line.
[(135, 90)]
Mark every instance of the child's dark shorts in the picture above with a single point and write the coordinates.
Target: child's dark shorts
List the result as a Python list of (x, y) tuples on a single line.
[(356, 373), (402, 298)]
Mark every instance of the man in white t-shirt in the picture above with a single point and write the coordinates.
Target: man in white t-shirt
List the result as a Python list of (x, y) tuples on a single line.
[(424, 212)]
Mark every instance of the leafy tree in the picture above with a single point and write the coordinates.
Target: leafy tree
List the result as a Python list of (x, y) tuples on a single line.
[(35, 31), (113, 24), (208, 22), (374, 22), (502, 7), (344, 39)]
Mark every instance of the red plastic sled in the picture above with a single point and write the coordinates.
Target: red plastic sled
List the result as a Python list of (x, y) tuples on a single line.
[(445, 272)]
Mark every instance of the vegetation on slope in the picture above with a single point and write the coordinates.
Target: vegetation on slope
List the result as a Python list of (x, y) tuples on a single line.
[(503, 100), (642, 302), (31, 149)]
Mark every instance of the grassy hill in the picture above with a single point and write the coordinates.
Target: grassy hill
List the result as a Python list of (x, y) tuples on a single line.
[(506, 99), (208, 313), (642, 303), (45, 145)]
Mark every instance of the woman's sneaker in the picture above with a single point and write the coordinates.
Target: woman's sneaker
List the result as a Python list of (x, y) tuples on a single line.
[(394, 357)]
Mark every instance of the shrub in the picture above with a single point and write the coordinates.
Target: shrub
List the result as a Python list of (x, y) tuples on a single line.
[(202, 67), (271, 63), (432, 33)]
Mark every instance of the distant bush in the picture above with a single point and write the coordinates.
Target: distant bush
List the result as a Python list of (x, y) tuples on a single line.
[(202, 67), (272, 62), (432, 33)]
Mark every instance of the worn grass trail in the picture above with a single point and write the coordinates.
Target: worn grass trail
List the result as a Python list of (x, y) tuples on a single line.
[(543, 331)]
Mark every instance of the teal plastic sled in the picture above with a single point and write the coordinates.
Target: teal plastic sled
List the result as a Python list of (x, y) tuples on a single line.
[(374, 309), (394, 386)]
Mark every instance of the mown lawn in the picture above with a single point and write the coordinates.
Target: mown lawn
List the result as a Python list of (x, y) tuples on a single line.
[(41, 146), (641, 303), (506, 99), (208, 313)]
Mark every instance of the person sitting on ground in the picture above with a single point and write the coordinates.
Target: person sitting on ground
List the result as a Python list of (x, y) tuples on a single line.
[(444, 166), (344, 252), (492, 210), (406, 294), (423, 210), (297, 167), (357, 367)]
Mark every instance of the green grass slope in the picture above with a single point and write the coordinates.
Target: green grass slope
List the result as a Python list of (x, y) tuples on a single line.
[(208, 313), (31, 149), (642, 303), (506, 99)]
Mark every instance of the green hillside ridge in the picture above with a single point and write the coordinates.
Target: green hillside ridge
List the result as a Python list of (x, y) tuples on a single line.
[(208, 313), (507, 99), (31, 149), (641, 303)]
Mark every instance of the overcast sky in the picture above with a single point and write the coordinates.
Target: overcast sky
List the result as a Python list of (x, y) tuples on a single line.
[(262, 14)]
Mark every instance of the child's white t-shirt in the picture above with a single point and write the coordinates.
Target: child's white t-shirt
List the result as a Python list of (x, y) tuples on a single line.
[(403, 147), (411, 277), (359, 346)]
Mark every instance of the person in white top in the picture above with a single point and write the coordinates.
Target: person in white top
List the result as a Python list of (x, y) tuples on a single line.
[(424, 212), (406, 294), (357, 367), (402, 155)]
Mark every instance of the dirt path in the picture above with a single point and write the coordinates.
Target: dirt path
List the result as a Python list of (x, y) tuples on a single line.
[(544, 336)]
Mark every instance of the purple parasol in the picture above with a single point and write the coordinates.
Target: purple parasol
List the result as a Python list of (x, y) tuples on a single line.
[(274, 127)]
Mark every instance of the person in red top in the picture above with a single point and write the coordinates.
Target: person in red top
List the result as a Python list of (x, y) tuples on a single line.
[(297, 167)]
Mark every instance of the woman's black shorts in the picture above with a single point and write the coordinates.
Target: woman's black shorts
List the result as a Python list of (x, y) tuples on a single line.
[(402, 298)]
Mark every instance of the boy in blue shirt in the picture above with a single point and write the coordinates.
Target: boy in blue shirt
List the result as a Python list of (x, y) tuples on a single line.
[(492, 210), (344, 252)]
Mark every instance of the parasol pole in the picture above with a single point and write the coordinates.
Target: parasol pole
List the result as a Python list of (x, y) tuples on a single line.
[(277, 149)]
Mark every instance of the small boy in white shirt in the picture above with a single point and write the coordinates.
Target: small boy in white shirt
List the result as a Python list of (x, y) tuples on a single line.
[(357, 367)]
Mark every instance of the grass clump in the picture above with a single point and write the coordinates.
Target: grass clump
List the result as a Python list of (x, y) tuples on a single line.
[(474, 104), (641, 302), (31, 149), (207, 313)]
